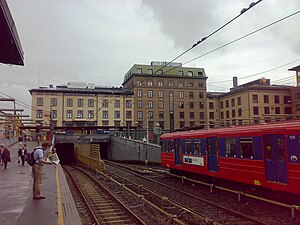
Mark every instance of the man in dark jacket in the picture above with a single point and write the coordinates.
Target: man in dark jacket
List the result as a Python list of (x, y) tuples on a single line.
[(5, 157)]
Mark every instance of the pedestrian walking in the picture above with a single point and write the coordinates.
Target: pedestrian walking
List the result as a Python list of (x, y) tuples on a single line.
[(38, 156), (5, 156), (1, 150)]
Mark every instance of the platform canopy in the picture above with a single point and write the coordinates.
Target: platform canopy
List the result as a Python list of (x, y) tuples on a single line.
[(11, 50)]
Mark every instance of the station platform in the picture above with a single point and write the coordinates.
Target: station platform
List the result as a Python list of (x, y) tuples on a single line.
[(16, 203)]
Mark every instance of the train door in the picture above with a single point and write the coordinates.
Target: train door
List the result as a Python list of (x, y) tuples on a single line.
[(212, 154), (178, 151), (275, 158)]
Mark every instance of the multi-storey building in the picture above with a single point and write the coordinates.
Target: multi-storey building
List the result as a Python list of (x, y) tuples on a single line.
[(253, 102), (296, 93), (167, 95), (81, 104)]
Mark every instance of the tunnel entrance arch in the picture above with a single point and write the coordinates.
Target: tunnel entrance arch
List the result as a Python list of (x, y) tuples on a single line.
[(65, 152), (104, 149)]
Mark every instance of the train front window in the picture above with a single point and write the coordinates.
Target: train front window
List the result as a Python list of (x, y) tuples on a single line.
[(246, 146), (230, 147)]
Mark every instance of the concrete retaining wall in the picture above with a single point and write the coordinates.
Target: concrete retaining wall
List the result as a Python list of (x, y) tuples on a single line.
[(124, 149)]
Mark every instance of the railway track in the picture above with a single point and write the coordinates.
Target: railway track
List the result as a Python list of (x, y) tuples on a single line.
[(192, 210), (96, 203)]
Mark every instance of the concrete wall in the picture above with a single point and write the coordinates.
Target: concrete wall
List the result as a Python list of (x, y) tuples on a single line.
[(9, 142), (124, 149)]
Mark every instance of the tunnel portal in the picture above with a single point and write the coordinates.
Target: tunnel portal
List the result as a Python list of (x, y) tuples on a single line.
[(65, 152)]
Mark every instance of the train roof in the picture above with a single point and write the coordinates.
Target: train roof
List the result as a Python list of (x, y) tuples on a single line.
[(290, 125)]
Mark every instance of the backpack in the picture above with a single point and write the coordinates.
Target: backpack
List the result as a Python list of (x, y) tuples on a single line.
[(30, 158)]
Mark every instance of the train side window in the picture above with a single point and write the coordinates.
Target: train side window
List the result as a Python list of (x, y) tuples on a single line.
[(281, 149), (246, 147), (188, 146), (197, 147), (268, 149), (230, 147)]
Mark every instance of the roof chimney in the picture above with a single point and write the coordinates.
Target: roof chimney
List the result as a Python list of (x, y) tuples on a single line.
[(235, 82)]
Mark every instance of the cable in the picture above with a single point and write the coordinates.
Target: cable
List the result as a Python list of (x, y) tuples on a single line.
[(214, 32), (238, 39)]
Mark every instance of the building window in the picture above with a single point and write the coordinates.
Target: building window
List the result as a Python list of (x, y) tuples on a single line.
[(171, 84), (191, 84), (201, 85), (211, 115), (39, 101), (211, 105), (239, 100), (267, 110), (150, 104), (287, 99), (139, 104), (297, 95), (227, 114), (160, 104), (139, 70), (117, 104), (139, 93), (201, 114), (105, 114), (150, 83), (266, 98), (240, 111), (200, 94), (161, 115), (149, 71), (181, 124), (39, 113), (227, 103), (255, 110), (181, 94), (181, 115), (117, 123), (80, 102), (150, 94), (191, 105), (69, 102), (90, 114), (191, 95), (276, 99), (105, 103), (277, 110), (150, 115), (192, 115), (232, 102), (200, 73), (297, 107), (53, 101), (222, 115), (79, 114), (255, 98), (190, 73), (53, 114), (160, 94), (117, 114), (287, 110), (139, 114), (160, 84), (128, 104), (105, 123), (180, 84), (181, 105), (233, 113), (91, 102), (128, 115), (139, 83), (69, 114), (201, 105), (180, 73), (222, 105), (192, 123)]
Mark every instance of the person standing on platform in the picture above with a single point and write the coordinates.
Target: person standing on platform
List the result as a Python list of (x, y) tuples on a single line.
[(5, 157), (1, 150), (38, 156), (23, 154)]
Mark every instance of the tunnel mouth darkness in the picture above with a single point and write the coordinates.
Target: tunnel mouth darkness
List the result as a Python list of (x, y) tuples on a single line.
[(65, 152)]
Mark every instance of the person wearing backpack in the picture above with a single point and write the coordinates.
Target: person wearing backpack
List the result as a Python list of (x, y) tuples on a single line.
[(39, 161)]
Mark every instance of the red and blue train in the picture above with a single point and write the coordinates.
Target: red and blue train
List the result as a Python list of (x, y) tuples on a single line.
[(267, 155)]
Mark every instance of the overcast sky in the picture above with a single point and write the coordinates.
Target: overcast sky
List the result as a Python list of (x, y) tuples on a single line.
[(98, 41)]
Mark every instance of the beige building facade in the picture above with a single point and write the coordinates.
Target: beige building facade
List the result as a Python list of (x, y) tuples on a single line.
[(169, 96), (80, 104)]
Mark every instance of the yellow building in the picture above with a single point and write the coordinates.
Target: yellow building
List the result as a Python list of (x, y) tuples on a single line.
[(82, 104), (253, 102)]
